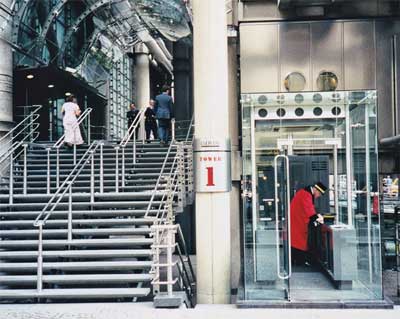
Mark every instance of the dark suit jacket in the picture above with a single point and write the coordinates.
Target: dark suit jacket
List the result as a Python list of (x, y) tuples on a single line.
[(164, 106), (131, 115)]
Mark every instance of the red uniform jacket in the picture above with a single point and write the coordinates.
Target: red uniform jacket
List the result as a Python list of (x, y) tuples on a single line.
[(301, 209)]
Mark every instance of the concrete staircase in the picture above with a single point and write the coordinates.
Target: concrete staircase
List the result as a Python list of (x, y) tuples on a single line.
[(109, 257)]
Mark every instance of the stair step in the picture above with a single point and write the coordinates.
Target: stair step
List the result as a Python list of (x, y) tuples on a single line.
[(84, 254), (75, 293), (63, 205), (54, 243), (77, 266), (107, 182), (82, 222), (86, 189), (84, 176), (84, 196), (77, 279), (86, 213), (29, 233)]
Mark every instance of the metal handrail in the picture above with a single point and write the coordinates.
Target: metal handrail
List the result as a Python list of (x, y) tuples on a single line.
[(17, 139), (67, 184), (164, 228), (17, 144), (160, 177), (31, 119), (69, 179), (190, 129), (83, 116), (132, 129), (131, 132)]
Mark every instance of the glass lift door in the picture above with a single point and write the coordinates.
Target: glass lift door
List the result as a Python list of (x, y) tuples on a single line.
[(336, 145)]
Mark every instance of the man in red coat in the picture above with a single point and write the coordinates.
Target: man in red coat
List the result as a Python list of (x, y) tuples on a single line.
[(302, 210)]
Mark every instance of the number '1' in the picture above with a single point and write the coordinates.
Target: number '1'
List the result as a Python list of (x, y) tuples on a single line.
[(210, 176)]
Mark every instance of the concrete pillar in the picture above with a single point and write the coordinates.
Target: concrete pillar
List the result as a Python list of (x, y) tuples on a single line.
[(212, 122), (142, 72), (236, 161), (6, 78)]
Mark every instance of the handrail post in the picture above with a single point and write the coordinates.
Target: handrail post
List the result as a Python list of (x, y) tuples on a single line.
[(74, 154), (39, 283), (11, 185), (156, 259), (134, 147), (123, 167), (32, 130), (169, 261), (57, 167), (89, 129), (173, 130), (101, 169), (48, 170), (116, 169), (70, 212), (25, 170), (92, 179)]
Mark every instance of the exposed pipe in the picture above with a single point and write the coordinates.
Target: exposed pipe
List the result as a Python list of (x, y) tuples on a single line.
[(389, 140), (155, 49)]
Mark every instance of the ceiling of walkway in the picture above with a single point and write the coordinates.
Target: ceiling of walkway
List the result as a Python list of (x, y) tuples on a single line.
[(62, 32)]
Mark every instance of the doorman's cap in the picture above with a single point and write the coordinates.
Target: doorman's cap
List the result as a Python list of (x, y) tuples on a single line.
[(320, 187)]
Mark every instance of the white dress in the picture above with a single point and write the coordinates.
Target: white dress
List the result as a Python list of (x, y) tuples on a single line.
[(70, 122)]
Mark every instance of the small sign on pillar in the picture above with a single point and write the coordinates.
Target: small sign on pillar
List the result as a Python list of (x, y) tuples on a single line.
[(212, 165)]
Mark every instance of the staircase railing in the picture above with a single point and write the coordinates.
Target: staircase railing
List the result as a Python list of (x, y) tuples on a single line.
[(130, 135), (57, 145), (164, 231), (51, 205), (14, 144)]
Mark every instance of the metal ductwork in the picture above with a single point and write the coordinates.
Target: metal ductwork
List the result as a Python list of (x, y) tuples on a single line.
[(155, 49), (390, 141)]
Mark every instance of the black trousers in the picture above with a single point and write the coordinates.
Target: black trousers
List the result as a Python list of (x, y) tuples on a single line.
[(300, 257), (150, 127)]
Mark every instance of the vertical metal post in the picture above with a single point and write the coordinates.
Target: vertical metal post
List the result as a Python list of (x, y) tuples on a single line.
[(116, 170), (57, 167), (123, 167), (349, 170), (169, 261), (368, 188), (156, 261), (335, 182), (70, 212), (11, 185), (134, 147), (39, 283), (74, 154), (48, 170), (31, 126), (25, 170), (101, 169), (92, 179), (173, 130), (89, 129)]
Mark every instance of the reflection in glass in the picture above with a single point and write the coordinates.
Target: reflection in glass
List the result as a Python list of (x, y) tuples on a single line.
[(327, 81), (295, 82)]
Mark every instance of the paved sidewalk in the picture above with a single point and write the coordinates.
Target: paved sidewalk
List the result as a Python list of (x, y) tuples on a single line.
[(146, 311)]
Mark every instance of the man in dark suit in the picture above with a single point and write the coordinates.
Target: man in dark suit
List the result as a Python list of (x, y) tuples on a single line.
[(131, 115), (164, 113)]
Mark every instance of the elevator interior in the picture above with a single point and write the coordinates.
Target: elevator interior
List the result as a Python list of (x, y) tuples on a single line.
[(291, 140)]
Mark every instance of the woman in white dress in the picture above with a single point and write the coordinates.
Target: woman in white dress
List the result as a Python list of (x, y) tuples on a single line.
[(72, 132)]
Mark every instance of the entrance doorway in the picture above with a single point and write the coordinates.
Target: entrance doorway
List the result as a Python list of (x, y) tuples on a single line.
[(291, 141)]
